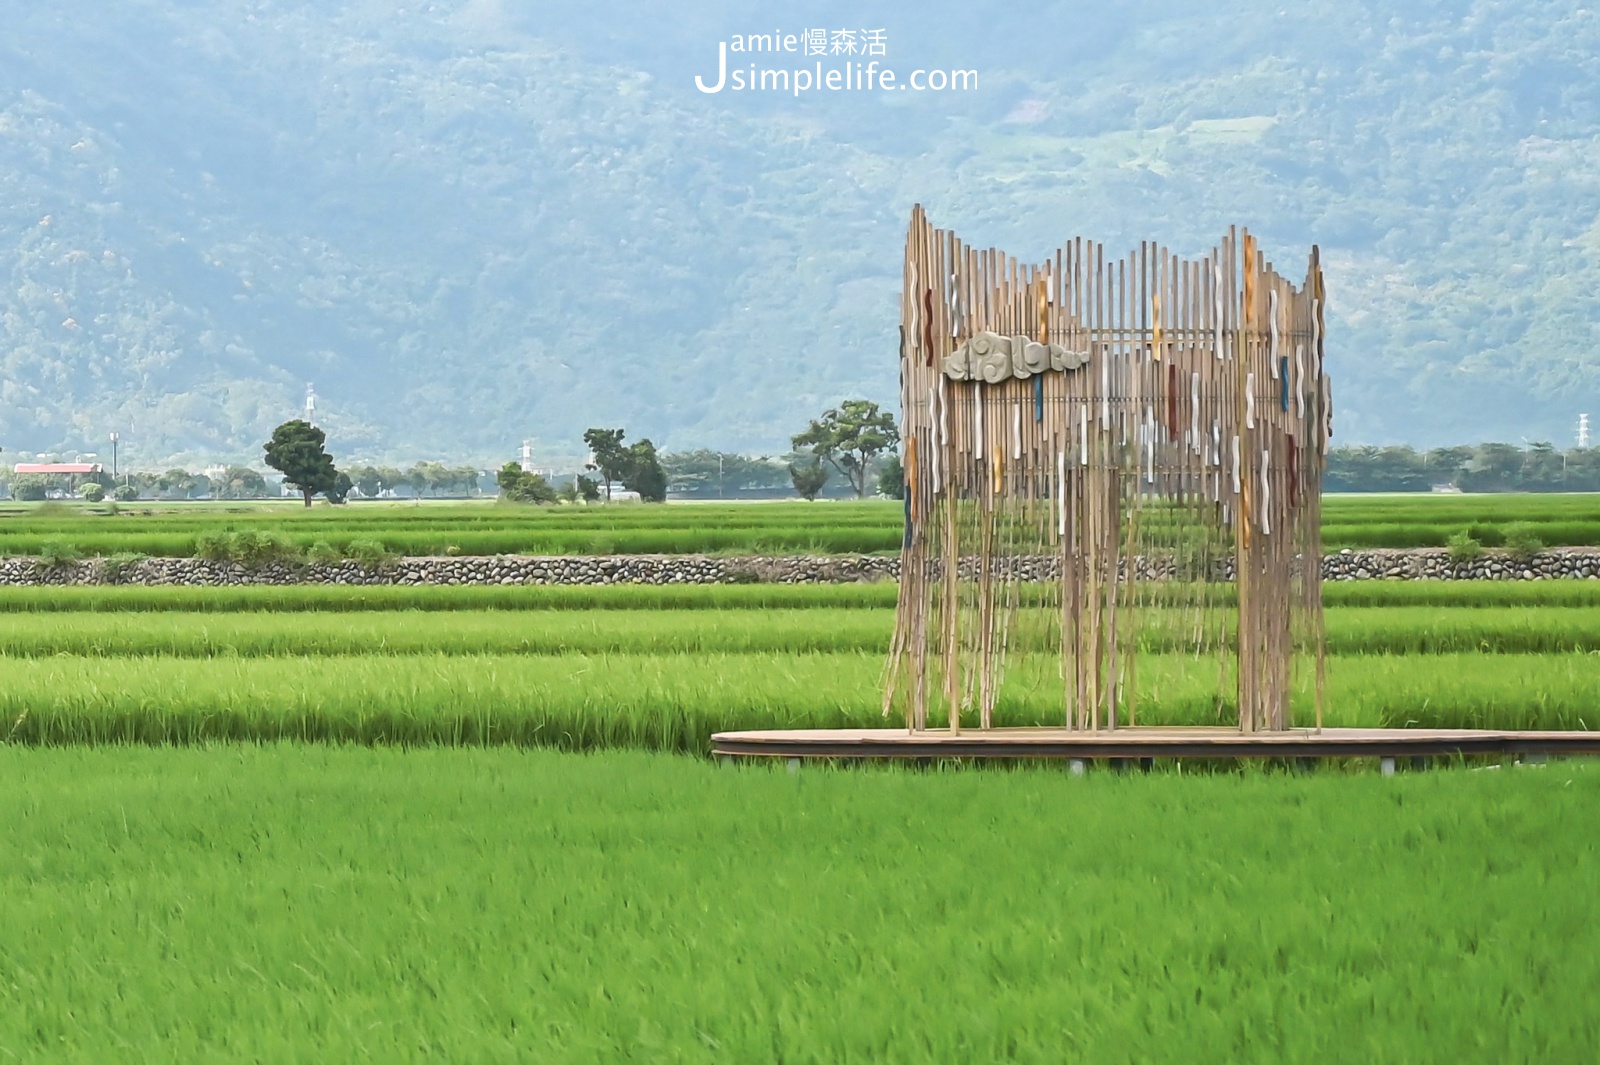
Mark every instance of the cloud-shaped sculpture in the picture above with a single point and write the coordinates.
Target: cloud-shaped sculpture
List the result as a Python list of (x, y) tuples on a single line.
[(994, 357)]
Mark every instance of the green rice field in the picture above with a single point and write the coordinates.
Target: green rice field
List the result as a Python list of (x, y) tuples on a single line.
[(459, 823), (1387, 630), (772, 528), (662, 669), (290, 903)]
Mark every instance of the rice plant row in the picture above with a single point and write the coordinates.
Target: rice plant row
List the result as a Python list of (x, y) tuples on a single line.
[(1395, 533), (1497, 508), (675, 702), (708, 539), (871, 526), (138, 599), (1350, 630), (296, 598), (484, 515)]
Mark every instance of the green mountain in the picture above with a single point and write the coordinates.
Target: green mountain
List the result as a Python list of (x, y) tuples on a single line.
[(474, 222)]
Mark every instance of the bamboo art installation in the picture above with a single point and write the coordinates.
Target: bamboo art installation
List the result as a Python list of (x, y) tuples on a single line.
[(1102, 455)]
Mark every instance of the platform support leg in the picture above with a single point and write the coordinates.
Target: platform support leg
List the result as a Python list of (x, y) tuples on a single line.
[(794, 765), (1387, 767), (1075, 767)]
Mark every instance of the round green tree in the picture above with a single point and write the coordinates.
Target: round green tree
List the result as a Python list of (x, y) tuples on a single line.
[(296, 450)]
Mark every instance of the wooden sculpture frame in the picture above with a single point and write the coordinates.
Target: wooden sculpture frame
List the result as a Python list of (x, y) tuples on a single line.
[(1102, 455)]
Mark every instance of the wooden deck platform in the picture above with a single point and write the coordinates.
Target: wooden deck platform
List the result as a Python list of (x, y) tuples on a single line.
[(1149, 743)]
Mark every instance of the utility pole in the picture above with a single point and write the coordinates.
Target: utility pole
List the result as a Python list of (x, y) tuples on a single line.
[(114, 438)]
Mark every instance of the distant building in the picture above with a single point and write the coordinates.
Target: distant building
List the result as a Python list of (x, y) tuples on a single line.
[(75, 469), (70, 470)]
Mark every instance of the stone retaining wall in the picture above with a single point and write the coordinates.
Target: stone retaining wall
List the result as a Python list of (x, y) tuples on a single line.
[(476, 570), (1419, 564), (1435, 564)]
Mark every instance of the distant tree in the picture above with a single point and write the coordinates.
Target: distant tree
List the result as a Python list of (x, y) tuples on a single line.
[(93, 492), (1495, 468), (296, 450), (892, 477), (1375, 469), (176, 483), (368, 481), (588, 489), (808, 478), (125, 493), (643, 473), (390, 478), (694, 472), (519, 486), (466, 479), (721, 473), (1445, 464), (430, 478), (30, 488), (339, 491), (1583, 470), (240, 482), (606, 454), (417, 479), (1542, 468), (848, 437)]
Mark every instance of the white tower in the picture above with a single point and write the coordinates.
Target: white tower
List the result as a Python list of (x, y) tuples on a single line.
[(311, 404), (527, 456), (1583, 431)]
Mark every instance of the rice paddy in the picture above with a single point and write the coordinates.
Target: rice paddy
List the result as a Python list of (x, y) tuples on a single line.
[(662, 669), (389, 823), (288, 902), (774, 528), (1422, 630)]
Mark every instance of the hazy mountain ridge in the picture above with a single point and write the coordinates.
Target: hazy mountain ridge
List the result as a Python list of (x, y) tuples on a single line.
[(476, 225)]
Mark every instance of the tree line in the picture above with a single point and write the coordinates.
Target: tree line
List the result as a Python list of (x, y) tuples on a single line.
[(244, 482), (1492, 467), (857, 441)]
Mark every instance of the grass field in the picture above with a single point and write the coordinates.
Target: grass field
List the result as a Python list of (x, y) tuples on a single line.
[(775, 528), (338, 904)]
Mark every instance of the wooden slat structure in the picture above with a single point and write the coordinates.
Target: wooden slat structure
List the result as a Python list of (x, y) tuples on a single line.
[(1147, 432), (1141, 742), (1093, 445)]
